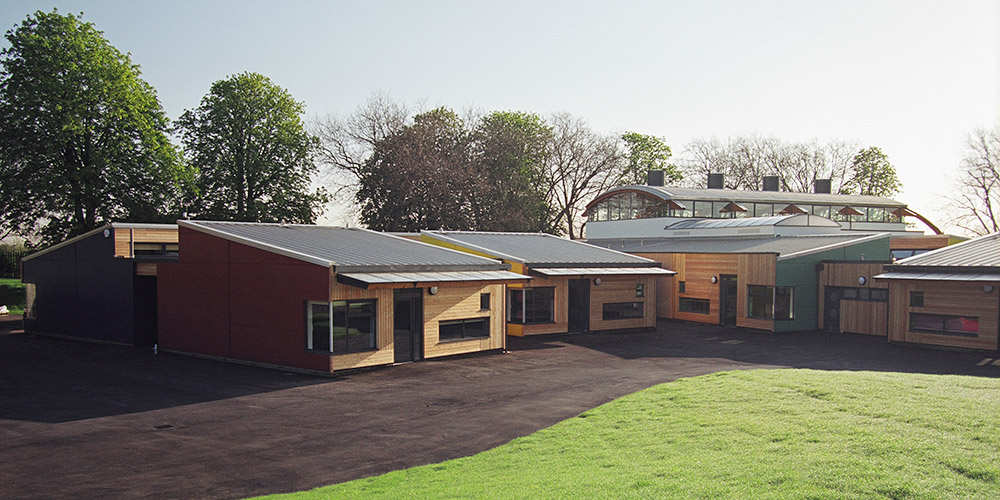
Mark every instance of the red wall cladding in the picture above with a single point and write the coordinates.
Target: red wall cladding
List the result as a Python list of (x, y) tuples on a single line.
[(230, 300)]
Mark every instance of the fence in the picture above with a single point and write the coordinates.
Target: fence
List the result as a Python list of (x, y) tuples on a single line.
[(10, 261)]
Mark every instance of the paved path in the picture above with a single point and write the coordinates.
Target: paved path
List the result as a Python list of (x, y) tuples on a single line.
[(80, 420)]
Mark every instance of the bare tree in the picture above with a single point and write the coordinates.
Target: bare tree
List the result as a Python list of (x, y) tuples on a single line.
[(745, 160), (581, 165), (346, 143), (978, 200)]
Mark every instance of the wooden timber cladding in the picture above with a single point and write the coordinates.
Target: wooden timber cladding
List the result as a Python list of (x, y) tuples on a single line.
[(126, 237), (951, 298), (450, 302), (697, 270), (856, 316), (618, 289)]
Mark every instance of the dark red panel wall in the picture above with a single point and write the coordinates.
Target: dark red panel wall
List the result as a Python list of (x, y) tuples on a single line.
[(231, 300)]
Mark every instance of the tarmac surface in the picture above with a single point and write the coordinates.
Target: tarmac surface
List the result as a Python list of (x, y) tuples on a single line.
[(83, 420)]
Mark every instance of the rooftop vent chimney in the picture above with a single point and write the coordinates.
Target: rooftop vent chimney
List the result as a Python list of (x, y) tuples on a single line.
[(770, 183), (654, 178), (821, 186), (716, 181)]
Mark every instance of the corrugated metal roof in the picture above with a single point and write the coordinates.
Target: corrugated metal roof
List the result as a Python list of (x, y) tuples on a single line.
[(903, 275), (979, 252), (349, 249), (601, 271), (779, 245), (369, 279), (704, 194), (538, 249), (778, 220)]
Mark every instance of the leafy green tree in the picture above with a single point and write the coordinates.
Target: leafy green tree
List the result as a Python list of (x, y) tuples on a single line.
[(645, 153), (510, 149), (873, 174), (83, 139), (253, 156)]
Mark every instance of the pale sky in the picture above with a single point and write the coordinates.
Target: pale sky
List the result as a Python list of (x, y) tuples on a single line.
[(911, 77)]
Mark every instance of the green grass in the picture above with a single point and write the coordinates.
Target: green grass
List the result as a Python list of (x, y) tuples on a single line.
[(12, 295), (749, 434)]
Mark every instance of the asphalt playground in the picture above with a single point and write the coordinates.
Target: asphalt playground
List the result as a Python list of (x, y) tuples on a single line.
[(96, 421)]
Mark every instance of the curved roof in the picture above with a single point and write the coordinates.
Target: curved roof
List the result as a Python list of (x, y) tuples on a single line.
[(778, 220), (704, 194), (784, 246)]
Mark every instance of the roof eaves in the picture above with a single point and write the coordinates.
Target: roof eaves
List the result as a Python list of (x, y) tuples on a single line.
[(833, 246), (67, 242), (312, 259)]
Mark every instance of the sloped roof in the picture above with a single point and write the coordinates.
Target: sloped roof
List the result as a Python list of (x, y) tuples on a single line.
[(982, 252), (705, 194), (347, 249), (539, 249), (783, 246)]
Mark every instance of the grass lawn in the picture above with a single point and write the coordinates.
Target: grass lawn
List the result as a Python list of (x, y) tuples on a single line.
[(748, 434), (12, 295)]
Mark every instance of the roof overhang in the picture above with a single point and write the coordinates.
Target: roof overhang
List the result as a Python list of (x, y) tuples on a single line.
[(549, 272), (902, 275), (428, 278)]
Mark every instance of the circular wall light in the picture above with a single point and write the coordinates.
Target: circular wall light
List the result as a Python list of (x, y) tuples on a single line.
[(862, 280), (433, 290), (987, 288), (597, 281), (715, 280), (107, 233)]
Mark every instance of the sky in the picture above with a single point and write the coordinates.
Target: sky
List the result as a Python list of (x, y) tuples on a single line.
[(912, 77)]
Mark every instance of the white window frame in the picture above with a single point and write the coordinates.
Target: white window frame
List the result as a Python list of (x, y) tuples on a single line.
[(309, 323)]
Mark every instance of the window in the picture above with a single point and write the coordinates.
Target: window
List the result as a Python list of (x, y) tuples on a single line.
[(681, 287), (464, 329), (940, 323), (703, 209), (622, 310), (530, 305), (167, 249), (484, 302), (640, 289), (700, 306), (916, 299), (769, 302), (763, 209), (340, 326), (821, 210), (880, 294)]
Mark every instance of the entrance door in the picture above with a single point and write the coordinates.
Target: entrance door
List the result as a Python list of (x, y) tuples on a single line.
[(831, 309), (408, 325), (728, 291), (579, 305)]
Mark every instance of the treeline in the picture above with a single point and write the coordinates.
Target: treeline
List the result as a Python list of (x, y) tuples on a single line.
[(84, 141)]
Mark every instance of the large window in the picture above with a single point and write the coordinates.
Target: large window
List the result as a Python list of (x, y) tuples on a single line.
[(700, 306), (531, 305), (940, 323), (464, 329), (340, 326), (769, 302), (622, 310)]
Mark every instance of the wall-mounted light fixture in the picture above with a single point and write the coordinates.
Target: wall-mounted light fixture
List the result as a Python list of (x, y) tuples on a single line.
[(715, 279), (988, 288), (107, 233), (862, 280), (597, 281), (433, 290)]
